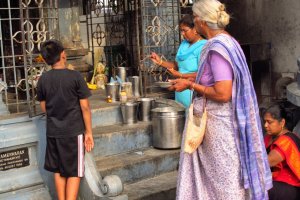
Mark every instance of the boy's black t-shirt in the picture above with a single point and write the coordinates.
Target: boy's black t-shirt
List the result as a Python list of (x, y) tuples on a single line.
[(62, 89)]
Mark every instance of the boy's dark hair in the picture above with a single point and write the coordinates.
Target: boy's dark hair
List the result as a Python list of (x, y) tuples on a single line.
[(187, 20), (51, 50)]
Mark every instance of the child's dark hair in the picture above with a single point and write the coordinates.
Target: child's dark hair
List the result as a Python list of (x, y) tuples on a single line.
[(278, 112), (51, 50), (187, 20)]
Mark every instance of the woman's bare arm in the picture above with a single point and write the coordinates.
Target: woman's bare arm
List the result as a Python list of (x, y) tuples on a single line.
[(221, 91), (274, 158)]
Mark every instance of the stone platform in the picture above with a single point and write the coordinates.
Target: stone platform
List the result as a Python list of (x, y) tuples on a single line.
[(122, 150)]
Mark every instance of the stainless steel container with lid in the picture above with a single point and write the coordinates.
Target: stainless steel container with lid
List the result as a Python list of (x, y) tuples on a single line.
[(168, 125)]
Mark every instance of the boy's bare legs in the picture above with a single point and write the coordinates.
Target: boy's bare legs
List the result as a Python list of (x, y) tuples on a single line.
[(72, 188), (66, 188), (60, 184)]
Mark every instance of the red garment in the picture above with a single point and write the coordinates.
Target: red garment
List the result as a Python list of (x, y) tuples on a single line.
[(288, 170)]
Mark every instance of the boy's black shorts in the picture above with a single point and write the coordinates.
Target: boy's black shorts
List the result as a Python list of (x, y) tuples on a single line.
[(65, 156)]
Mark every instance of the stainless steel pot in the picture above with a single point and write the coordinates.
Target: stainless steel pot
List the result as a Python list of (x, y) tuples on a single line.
[(168, 125)]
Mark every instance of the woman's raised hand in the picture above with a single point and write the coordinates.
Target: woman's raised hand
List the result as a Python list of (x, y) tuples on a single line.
[(155, 58)]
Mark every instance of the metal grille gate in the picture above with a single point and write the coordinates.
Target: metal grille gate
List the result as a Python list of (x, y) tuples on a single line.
[(160, 34), (121, 33), (124, 33), (24, 25), (110, 33)]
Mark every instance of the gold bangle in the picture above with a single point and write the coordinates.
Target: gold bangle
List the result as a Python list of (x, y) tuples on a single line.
[(161, 61)]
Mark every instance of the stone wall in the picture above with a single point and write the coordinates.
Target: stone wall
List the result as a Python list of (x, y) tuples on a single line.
[(274, 21)]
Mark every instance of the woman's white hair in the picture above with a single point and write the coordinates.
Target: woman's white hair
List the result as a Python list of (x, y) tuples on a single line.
[(213, 12)]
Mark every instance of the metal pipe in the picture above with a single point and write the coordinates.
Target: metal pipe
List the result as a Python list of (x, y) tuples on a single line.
[(3, 63), (141, 84), (92, 40), (87, 10), (13, 53)]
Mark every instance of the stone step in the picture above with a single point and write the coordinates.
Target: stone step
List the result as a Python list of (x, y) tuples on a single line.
[(162, 187), (139, 164), (15, 179), (30, 193), (105, 116), (120, 138)]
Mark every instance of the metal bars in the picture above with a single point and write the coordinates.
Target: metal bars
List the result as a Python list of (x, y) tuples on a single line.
[(109, 34), (124, 33), (24, 25), (159, 30)]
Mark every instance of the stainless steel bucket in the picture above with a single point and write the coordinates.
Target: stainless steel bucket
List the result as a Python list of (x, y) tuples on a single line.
[(113, 90), (168, 125), (121, 72), (135, 80), (145, 106), (129, 112)]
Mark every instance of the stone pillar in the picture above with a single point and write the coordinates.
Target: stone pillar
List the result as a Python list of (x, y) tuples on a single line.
[(69, 25), (69, 28)]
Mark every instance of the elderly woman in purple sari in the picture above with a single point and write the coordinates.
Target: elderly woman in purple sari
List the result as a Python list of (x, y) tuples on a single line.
[(231, 162)]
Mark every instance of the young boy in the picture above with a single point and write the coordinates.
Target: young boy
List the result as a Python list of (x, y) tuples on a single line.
[(63, 96)]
